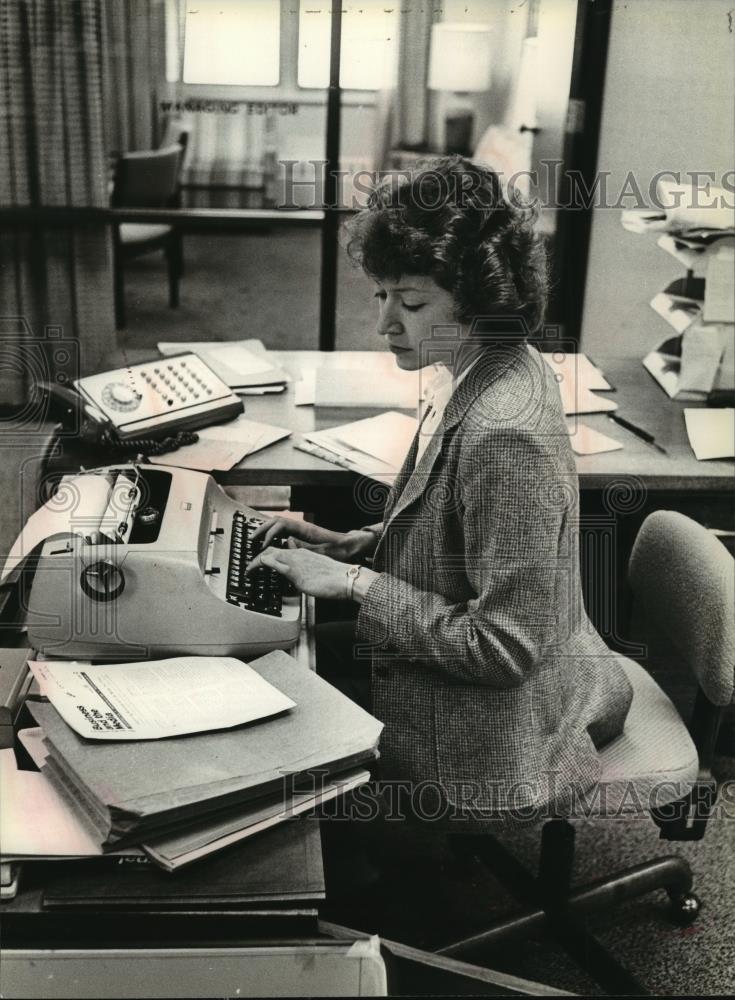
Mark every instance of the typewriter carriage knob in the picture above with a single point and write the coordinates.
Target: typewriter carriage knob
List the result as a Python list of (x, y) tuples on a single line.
[(102, 581)]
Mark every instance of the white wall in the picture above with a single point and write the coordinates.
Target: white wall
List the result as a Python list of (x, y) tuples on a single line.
[(668, 105)]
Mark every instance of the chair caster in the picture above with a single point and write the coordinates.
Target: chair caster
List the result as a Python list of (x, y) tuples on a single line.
[(684, 909)]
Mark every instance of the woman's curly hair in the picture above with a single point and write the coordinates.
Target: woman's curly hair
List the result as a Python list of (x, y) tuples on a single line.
[(449, 219)]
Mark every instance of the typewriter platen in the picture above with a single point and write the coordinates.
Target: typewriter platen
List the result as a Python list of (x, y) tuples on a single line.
[(155, 567)]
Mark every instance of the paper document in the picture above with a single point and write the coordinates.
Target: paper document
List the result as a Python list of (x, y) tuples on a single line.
[(678, 312), (577, 369), (222, 446), (305, 389), (215, 833), (719, 289), (133, 790), (577, 399), (339, 387), (690, 256), (35, 820), (711, 432), (82, 505), (148, 701), (363, 379), (687, 205), (702, 348), (386, 437), (204, 456), (376, 446), (588, 441), (240, 359), (253, 433), (687, 367), (642, 220)]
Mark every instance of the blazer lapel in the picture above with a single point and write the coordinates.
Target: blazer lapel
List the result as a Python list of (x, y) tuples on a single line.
[(402, 477), (411, 483), (419, 477)]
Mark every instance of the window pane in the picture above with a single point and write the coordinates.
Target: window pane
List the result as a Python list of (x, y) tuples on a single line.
[(232, 42), (369, 45)]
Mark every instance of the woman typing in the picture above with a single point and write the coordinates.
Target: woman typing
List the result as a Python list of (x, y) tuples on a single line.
[(471, 642)]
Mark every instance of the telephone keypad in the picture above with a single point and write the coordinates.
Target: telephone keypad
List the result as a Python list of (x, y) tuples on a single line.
[(139, 394)]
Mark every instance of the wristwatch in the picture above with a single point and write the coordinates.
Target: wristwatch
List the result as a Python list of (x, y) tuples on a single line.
[(352, 574)]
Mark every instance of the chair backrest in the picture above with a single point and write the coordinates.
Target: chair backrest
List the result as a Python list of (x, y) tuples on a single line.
[(683, 582), (177, 132), (147, 179)]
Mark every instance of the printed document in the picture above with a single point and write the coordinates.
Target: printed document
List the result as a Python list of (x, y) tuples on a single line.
[(148, 701), (588, 441), (711, 432)]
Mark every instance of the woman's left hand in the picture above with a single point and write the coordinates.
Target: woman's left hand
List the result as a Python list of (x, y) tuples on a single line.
[(310, 572)]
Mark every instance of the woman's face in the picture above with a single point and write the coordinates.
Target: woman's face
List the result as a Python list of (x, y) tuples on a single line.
[(408, 311)]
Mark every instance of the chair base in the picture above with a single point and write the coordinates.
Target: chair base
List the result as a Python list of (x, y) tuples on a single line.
[(552, 907)]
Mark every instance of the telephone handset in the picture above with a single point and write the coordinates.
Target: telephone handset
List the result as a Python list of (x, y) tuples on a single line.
[(142, 403), (70, 410)]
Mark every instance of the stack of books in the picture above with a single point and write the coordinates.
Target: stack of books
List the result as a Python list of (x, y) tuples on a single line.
[(184, 797)]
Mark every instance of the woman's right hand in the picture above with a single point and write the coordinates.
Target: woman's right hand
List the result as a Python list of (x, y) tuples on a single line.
[(341, 545)]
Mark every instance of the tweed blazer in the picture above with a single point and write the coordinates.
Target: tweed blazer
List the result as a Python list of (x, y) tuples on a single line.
[(486, 671)]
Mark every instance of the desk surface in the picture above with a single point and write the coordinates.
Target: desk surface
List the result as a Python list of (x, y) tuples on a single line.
[(639, 398)]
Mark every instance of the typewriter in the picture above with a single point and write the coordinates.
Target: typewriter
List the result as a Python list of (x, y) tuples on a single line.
[(141, 562)]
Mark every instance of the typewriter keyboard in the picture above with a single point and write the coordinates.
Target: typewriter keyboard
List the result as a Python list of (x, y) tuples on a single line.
[(263, 589)]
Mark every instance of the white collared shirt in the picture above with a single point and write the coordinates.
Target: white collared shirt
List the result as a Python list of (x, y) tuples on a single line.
[(438, 393)]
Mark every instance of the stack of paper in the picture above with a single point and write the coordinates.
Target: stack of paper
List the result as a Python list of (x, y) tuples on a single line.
[(214, 787), (244, 365), (375, 447)]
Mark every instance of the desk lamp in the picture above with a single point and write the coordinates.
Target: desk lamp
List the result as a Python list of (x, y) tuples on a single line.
[(459, 62)]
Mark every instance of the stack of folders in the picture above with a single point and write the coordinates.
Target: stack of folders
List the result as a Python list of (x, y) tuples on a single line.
[(185, 797)]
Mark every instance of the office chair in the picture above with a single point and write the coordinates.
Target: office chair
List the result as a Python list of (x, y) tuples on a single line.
[(683, 584), (147, 179), (178, 133)]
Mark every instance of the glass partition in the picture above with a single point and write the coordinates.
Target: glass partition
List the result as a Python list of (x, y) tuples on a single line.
[(227, 89), (242, 87), (478, 77)]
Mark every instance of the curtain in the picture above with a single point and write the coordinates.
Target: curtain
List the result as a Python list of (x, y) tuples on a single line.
[(52, 153), (403, 111), (412, 99), (134, 72), (231, 160)]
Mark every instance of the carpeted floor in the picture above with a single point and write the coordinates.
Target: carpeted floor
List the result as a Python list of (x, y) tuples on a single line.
[(427, 896), (236, 286)]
